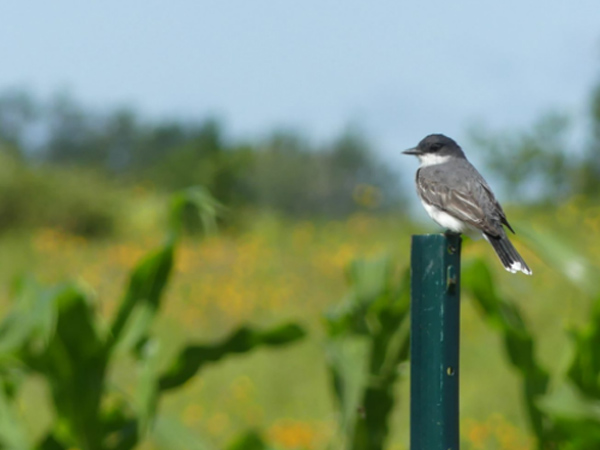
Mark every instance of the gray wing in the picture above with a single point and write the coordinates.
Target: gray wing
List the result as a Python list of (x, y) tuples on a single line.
[(463, 193)]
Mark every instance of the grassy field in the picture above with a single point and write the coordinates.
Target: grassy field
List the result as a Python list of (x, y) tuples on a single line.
[(275, 269)]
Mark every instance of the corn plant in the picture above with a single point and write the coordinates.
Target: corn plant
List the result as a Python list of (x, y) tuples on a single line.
[(519, 342), (55, 333), (564, 413), (374, 314)]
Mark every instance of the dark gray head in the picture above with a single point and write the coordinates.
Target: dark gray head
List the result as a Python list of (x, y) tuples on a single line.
[(436, 146)]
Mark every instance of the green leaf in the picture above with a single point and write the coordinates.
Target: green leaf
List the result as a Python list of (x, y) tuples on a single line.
[(244, 339), (126, 438), (147, 386), (120, 428), (371, 288), (61, 343), (74, 364), (585, 367), (31, 321), (568, 403), (76, 327), (148, 280), (343, 356), (477, 279), (251, 440), (575, 416), (12, 433), (146, 286), (388, 348), (368, 278), (375, 311), (199, 201)]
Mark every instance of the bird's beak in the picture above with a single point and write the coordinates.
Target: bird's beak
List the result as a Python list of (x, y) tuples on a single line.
[(412, 151)]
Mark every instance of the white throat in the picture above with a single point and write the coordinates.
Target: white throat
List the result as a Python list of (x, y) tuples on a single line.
[(429, 159)]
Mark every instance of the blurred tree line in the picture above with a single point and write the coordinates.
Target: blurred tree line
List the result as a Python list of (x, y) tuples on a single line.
[(550, 161), (62, 164), (283, 172)]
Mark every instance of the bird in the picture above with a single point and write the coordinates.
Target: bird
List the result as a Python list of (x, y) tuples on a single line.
[(458, 198)]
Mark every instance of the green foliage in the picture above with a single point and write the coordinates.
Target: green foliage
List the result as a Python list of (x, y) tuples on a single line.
[(193, 357), (55, 333), (574, 404), (545, 162), (375, 311), (533, 165), (566, 416), (200, 155), (79, 202), (196, 209), (284, 172), (518, 341)]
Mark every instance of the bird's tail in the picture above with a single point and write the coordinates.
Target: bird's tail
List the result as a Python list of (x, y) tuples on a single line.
[(510, 258)]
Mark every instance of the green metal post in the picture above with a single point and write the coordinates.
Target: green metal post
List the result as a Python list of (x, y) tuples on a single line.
[(435, 325)]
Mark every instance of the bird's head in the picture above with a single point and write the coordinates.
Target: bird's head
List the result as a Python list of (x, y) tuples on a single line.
[(434, 149)]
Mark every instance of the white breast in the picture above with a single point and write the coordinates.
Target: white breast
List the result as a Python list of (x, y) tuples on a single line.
[(448, 222)]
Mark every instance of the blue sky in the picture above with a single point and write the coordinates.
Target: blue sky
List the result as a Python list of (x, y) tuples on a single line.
[(399, 70)]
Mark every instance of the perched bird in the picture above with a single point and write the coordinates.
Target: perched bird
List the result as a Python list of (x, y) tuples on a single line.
[(457, 197)]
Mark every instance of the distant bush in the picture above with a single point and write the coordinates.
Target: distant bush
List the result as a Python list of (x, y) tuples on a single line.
[(78, 201)]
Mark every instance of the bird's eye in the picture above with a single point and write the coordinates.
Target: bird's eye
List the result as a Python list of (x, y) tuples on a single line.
[(435, 147)]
